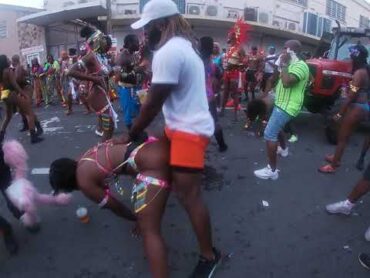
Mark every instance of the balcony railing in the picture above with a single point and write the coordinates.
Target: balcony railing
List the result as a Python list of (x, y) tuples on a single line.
[(126, 9)]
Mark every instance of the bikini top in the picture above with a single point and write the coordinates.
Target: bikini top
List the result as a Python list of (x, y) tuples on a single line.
[(128, 73), (233, 57)]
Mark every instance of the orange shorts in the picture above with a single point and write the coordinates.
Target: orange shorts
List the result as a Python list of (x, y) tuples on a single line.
[(187, 149)]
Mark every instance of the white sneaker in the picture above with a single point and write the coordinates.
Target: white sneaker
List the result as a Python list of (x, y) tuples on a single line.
[(267, 173), (99, 133), (367, 234), (343, 207), (282, 152)]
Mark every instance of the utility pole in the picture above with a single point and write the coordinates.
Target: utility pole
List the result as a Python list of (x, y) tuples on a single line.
[(109, 17)]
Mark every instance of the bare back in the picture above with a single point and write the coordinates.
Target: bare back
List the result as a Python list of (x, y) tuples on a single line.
[(152, 160)]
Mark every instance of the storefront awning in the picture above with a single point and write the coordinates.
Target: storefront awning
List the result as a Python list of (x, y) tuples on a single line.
[(77, 11)]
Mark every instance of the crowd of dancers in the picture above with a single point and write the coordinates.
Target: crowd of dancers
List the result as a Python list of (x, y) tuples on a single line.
[(192, 82)]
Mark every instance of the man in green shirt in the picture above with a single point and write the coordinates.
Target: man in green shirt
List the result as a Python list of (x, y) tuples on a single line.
[(294, 76), (51, 68)]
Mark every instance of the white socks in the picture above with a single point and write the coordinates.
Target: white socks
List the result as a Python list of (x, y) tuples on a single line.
[(349, 204)]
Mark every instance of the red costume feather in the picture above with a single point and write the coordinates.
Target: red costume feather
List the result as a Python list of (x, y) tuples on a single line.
[(241, 30)]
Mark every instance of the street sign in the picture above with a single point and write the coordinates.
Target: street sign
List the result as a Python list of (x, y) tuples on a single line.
[(32, 50)]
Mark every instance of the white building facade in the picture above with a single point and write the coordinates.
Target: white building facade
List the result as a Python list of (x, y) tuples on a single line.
[(272, 21), (310, 17)]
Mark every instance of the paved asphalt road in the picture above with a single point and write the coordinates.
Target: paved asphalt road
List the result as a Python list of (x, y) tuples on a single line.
[(292, 237)]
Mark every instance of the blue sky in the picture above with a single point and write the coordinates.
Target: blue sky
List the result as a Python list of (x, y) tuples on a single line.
[(29, 3)]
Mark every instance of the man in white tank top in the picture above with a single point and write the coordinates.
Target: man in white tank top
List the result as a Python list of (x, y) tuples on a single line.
[(179, 89)]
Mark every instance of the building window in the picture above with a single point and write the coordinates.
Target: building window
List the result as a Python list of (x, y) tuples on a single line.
[(32, 56), (299, 2), (335, 10), (3, 30), (364, 22), (310, 23)]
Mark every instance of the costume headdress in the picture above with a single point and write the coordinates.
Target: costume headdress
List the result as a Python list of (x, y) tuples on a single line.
[(96, 41), (240, 30)]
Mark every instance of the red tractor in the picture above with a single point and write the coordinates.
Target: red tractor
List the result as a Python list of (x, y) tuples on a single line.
[(333, 70)]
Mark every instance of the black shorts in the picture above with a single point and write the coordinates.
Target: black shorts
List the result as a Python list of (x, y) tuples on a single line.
[(213, 110), (367, 173), (251, 75), (266, 77)]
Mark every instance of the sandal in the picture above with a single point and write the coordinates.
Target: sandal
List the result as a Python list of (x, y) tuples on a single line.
[(329, 158), (327, 169)]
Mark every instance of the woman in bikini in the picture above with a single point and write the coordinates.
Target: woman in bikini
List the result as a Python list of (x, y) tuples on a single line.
[(96, 71), (15, 96), (98, 170), (356, 107)]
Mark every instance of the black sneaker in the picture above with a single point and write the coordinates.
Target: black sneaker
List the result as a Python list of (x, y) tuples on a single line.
[(24, 128), (364, 260), (39, 130), (205, 268), (222, 148)]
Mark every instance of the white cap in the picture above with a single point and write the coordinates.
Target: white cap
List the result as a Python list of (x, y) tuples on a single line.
[(155, 9)]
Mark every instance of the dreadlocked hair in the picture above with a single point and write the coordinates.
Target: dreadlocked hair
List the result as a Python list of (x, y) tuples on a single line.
[(62, 175), (3, 65), (177, 25)]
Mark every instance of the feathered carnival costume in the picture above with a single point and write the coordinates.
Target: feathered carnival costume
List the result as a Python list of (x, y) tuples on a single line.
[(21, 192), (233, 61), (240, 32)]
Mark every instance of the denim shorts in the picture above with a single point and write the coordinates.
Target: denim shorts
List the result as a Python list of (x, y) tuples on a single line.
[(276, 123)]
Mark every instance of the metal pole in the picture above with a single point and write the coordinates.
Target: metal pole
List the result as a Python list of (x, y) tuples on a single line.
[(337, 40), (109, 17)]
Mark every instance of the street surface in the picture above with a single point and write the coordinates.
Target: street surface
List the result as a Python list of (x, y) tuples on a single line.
[(272, 228)]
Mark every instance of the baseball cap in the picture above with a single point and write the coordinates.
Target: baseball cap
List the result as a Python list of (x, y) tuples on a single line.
[(155, 9)]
